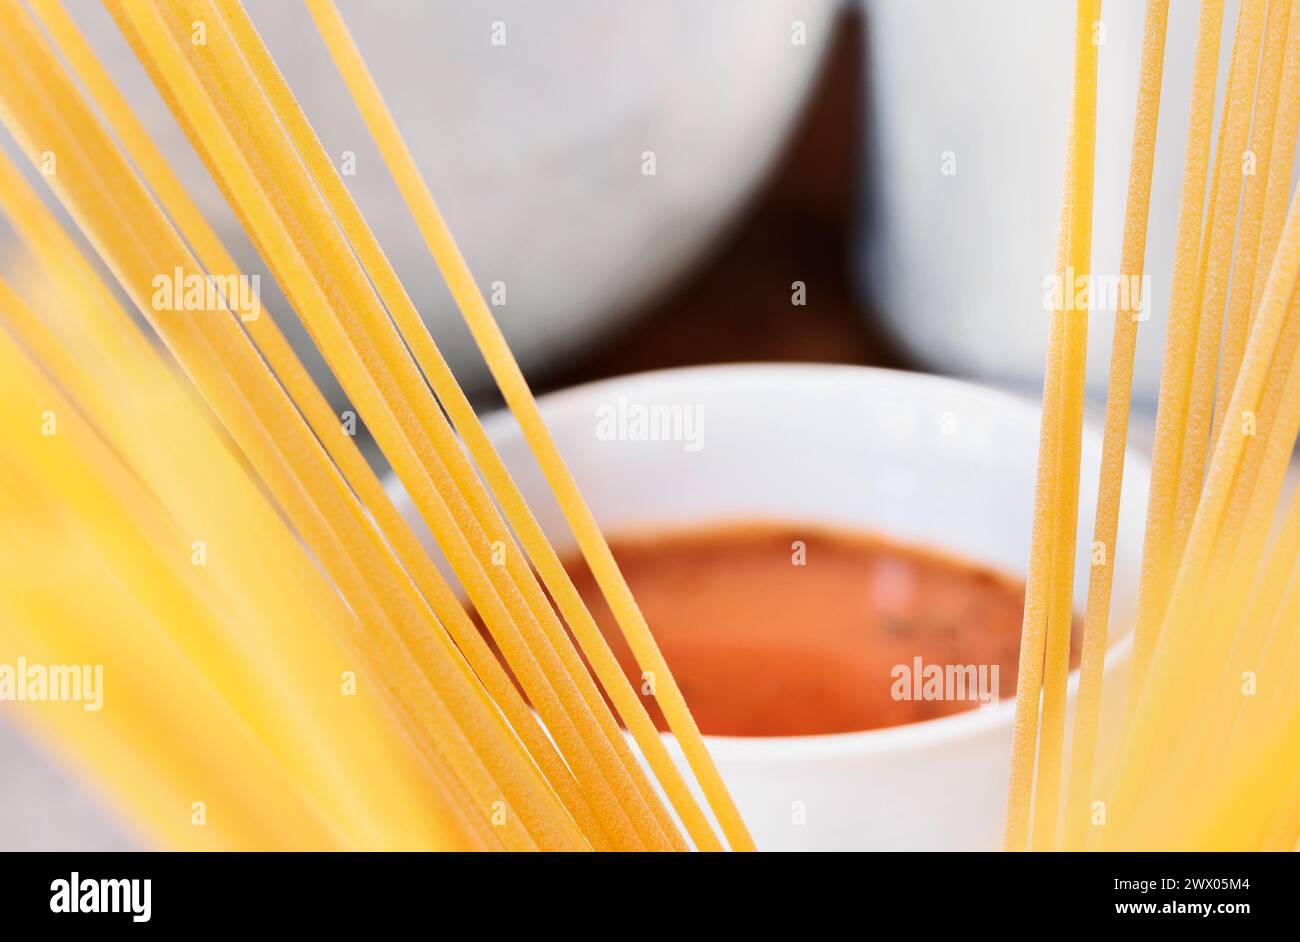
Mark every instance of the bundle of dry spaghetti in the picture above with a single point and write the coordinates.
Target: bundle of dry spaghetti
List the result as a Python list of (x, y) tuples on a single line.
[(288, 667), (1208, 753)]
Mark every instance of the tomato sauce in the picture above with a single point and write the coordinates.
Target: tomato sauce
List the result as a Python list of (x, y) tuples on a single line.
[(776, 630)]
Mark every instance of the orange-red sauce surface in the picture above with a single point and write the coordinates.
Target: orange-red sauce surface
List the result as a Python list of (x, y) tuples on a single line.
[(764, 646)]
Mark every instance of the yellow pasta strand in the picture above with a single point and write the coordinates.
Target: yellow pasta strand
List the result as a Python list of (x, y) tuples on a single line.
[(519, 398), (1038, 586), (130, 253), (316, 410), (1065, 514), (349, 346), (521, 519), (1115, 436), (1158, 560), (1183, 654), (1216, 264), (1254, 185)]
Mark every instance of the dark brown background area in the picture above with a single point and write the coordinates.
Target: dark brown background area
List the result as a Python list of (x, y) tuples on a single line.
[(735, 306)]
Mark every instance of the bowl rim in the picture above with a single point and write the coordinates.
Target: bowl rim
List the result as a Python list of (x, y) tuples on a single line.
[(932, 733)]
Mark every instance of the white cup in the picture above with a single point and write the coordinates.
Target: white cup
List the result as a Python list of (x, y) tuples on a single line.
[(969, 110), (916, 458)]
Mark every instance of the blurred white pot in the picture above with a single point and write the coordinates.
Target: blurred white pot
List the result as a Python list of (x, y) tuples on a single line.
[(534, 148), (956, 262)]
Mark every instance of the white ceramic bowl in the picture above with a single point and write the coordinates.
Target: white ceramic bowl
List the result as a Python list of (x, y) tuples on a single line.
[(919, 458), (534, 148)]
